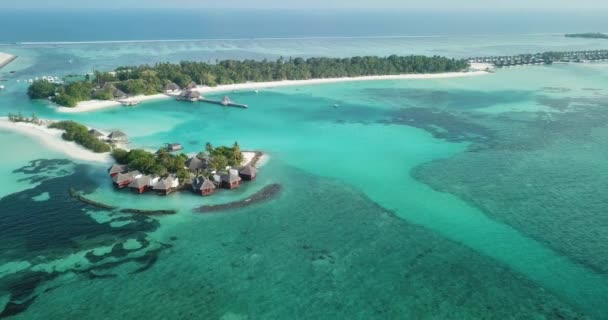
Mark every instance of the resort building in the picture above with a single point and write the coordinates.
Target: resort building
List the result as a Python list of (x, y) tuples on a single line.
[(144, 183), (191, 85), (189, 95), (122, 180), (116, 93), (116, 169), (203, 186), (230, 181), (172, 147), (166, 185), (172, 87), (117, 136), (97, 134), (195, 164), (248, 173)]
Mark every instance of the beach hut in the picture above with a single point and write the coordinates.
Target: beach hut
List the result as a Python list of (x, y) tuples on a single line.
[(117, 136), (116, 93), (191, 85), (230, 181), (96, 133), (116, 169), (189, 95), (203, 186), (248, 173), (172, 147), (166, 185), (172, 87), (195, 164), (144, 183)]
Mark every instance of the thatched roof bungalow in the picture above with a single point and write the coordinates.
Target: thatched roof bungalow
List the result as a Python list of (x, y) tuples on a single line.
[(248, 173), (117, 136), (189, 95), (195, 164), (167, 185), (203, 186), (231, 181), (96, 133), (144, 183), (172, 87), (117, 168)]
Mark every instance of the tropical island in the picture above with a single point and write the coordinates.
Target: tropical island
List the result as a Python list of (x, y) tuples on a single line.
[(167, 78), (588, 35), (163, 171)]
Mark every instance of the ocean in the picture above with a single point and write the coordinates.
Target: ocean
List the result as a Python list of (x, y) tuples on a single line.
[(464, 198)]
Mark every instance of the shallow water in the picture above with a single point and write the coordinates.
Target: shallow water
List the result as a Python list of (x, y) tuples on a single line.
[(462, 198)]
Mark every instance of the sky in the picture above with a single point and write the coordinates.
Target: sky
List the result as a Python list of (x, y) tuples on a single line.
[(312, 4)]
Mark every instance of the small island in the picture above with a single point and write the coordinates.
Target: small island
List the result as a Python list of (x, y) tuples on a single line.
[(174, 79), (589, 35), (165, 172)]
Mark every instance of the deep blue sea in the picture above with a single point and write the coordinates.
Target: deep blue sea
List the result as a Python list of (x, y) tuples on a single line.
[(121, 25)]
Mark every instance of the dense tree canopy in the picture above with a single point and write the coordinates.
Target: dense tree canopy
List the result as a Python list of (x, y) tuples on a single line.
[(80, 134), (149, 80)]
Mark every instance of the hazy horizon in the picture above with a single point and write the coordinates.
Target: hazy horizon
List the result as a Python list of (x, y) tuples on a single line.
[(311, 4)]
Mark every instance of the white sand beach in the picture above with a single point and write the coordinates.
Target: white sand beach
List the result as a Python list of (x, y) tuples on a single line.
[(5, 59), (93, 105), (51, 138), (248, 157)]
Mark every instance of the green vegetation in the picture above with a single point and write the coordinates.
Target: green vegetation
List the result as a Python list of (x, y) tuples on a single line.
[(223, 156), (162, 162), (149, 80), (18, 117), (41, 89), (589, 35), (80, 134)]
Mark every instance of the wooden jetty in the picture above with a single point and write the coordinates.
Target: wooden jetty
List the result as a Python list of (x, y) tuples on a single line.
[(226, 102)]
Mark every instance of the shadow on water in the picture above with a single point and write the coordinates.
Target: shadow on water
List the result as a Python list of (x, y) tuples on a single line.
[(43, 231)]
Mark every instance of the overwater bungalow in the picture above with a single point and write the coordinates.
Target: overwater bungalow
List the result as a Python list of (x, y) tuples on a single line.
[(248, 173), (172, 147), (117, 136), (144, 183), (166, 185), (97, 134), (189, 95), (203, 186), (230, 181), (195, 164), (172, 87), (122, 180), (116, 169)]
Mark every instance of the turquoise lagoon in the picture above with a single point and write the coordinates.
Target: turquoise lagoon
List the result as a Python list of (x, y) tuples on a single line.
[(469, 198)]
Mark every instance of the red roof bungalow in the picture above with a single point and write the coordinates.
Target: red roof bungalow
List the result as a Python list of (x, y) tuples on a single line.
[(122, 180), (116, 169), (203, 186), (166, 185), (143, 184), (248, 173), (231, 181)]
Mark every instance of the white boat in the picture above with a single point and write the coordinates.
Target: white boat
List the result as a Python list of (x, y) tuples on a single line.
[(1, 87)]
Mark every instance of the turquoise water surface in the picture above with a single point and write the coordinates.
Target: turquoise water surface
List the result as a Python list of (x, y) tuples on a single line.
[(466, 198)]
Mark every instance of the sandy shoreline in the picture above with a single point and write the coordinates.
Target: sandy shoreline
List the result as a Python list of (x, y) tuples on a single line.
[(6, 58), (93, 105), (51, 138)]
